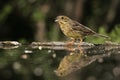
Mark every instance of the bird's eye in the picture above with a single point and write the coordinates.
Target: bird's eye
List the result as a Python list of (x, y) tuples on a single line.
[(62, 17)]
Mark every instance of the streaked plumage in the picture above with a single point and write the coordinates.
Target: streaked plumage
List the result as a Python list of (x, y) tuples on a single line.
[(74, 29)]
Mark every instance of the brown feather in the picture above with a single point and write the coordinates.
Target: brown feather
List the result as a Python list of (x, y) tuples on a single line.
[(79, 27)]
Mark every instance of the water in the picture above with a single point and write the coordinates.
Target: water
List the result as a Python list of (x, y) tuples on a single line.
[(58, 61)]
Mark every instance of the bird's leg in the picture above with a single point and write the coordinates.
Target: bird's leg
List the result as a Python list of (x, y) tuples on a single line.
[(71, 42), (81, 40), (80, 48), (70, 45)]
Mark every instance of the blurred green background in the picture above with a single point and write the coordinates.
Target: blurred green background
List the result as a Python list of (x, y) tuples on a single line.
[(33, 20)]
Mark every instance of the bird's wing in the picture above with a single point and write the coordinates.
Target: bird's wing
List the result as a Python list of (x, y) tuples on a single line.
[(82, 29)]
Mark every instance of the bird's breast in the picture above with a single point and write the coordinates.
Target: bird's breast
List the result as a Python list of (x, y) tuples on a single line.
[(69, 32)]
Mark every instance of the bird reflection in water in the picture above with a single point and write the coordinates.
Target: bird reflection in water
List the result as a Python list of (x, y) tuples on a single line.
[(73, 62)]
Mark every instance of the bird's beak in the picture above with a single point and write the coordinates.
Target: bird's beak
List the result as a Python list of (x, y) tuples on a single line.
[(56, 20)]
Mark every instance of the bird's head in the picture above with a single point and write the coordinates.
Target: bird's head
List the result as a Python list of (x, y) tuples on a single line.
[(62, 19)]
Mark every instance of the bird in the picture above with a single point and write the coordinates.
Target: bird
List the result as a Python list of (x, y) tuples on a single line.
[(75, 30)]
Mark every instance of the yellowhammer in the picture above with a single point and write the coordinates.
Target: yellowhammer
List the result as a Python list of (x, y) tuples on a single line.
[(74, 29)]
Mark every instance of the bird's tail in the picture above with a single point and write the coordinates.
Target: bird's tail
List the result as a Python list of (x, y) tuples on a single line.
[(100, 35)]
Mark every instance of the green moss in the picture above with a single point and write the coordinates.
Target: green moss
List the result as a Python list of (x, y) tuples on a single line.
[(114, 35)]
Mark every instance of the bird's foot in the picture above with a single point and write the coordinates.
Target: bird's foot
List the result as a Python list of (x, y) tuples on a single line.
[(71, 43), (70, 48), (80, 48)]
